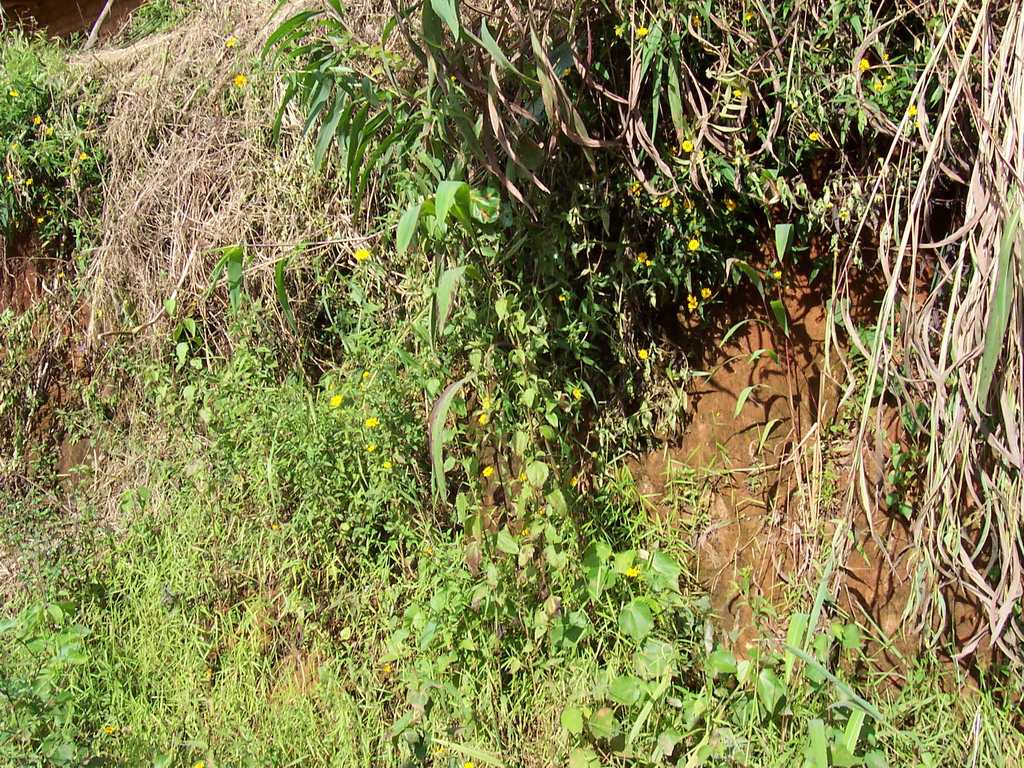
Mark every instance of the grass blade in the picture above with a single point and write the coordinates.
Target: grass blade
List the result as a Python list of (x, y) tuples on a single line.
[(435, 432)]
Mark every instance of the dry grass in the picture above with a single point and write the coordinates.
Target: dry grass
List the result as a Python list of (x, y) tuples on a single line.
[(940, 312), (193, 169)]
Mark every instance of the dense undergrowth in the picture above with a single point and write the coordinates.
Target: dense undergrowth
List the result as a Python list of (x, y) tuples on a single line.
[(358, 407)]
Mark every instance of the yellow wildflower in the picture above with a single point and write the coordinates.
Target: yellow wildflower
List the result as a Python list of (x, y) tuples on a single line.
[(10, 176), (635, 189), (878, 86), (440, 750), (40, 219), (231, 42), (428, 551), (643, 354), (488, 471), (386, 465), (522, 477), (574, 482), (240, 80), (705, 293), (12, 93), (335, 401), (777, 274), (687, 146), (730, 204), (642, 32), (371, 448), (49, 130), (912, 111), (691, 302), (577, 393), (361, 255), (694, 244), (386, 669), (632, 572), (865, 65), (28, 182), (813, 136), (665, 202), (37, 120), (567, 71), (748, 16), (372, 422), (525, 532), (737, 93), (485, 402), (109, 728), (482, 419), (561, 297)]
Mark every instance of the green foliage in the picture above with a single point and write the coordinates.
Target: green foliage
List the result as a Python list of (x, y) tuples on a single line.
[(48, 159)]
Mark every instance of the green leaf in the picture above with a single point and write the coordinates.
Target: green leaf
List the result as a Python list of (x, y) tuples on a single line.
[(779, 310), (488, 42), (537, 473), (507, 543), (663, 573), (282, 295), (625, 689), (722, 662), (407, 228), (584, 758), (744, 394), (435, 432), (444, 295), (999, 312), (853, 700), (636, 620), (816, 750), (447, 10), (602, 724), (783, 239), (449, 193), (572, 720), (234, 255), (655, 659), (770, 690)]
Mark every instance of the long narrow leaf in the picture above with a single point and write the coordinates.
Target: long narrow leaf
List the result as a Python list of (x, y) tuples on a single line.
[(435, 432)]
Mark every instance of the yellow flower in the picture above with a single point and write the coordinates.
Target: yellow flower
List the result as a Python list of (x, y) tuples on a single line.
[(12, 93), (567, 71), (28, 182), (561, 297), (335, 401), (109, 728), (642, 32), (665, 202), (687, 146), (730, 204), (371, 448), (574, 482), (692, 303), (643, 354), (37, 120), (231, 42), (372, 422), (673, 151), (525, 532), (635, 189), (200, 764), (485, 402), (482, 419), (428, 551), (440, 750), (878, 86), (577, 393), (813, 136), (83, 157), (541, 511), (469, 764), (748, 16), (49, 130), (695, 19), (361, 255), (737, 93), (386, 669), (241, 80), (522, 477), (865, 65), (705, 293), (10, 176), (386, 465), (632, 572), (642, 256), (39, 219), (912, 111), (488, 471), (694, 244), (777, 274)]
